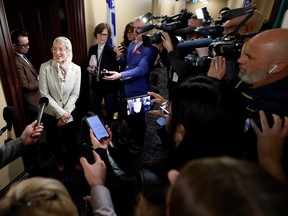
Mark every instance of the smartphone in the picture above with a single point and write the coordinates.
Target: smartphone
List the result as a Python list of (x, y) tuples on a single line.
[(138, 104), (86, 151), (97, 126), (161, 121)]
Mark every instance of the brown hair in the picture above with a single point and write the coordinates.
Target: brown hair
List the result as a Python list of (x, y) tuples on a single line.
[(225, 186), (100, 27)]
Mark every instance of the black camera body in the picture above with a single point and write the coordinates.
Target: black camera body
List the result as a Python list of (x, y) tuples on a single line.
[(168, 24)]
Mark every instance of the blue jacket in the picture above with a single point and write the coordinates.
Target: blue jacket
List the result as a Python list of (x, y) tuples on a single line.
[(136, 76)]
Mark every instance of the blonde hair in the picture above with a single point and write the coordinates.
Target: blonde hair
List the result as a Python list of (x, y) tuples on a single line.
[(38, 196)]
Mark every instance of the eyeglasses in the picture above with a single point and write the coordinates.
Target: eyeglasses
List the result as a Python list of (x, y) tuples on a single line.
[(103, 34), (164, 109), (23, 45)]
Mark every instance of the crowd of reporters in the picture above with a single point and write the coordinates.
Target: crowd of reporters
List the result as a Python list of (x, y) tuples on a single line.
[(228, 119)]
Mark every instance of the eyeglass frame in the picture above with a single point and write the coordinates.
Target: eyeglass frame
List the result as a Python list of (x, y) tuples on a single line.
[(103, 34), (23, 45)]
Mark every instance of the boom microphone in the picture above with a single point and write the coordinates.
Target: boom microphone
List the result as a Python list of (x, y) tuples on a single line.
[(231, 14), (185, 31), (9, 115), (146, 28), (194, 43), (43, 102)]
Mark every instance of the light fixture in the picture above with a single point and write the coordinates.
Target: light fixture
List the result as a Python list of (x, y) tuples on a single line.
[(205, 1)]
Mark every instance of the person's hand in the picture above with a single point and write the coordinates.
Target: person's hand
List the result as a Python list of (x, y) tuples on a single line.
[(91, 69), (270, 143), (158, 99), (167, 43), (31, 133), (64, 119), (113, 75), (217, 67), (119, 50), (95, 174), (103, 143)]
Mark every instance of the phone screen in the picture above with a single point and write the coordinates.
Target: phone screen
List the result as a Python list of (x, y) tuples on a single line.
[(139, 104), (97, 126)]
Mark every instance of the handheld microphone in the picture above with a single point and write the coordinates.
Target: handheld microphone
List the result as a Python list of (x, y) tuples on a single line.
[(9, 115), (195, 43), (146, 28), (43, 102)]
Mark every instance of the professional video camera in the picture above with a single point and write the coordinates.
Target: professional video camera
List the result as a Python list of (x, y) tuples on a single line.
[(229, 45), (166, 23)]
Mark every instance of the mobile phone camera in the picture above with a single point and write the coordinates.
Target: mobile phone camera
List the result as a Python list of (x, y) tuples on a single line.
[(105, 72)]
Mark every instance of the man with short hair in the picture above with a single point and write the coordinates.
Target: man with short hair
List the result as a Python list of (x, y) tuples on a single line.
[(264, 81), (28, 76)]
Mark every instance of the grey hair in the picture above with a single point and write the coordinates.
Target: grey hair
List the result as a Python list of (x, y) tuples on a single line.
[(65, 41)]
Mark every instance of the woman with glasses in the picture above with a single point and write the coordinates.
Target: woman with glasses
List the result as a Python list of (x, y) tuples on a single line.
[(60, 81), (101, 56)]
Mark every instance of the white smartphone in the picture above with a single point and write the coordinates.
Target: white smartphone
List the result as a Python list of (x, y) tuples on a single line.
[(97, 126)]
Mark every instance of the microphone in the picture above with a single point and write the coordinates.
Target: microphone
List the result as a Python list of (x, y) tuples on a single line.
[(9, 115), (231, 14), (194, 43), (43, 102), (185, 31), (145, 28)]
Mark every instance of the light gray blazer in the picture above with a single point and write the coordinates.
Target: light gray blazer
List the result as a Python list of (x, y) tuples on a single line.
[(49, 86)]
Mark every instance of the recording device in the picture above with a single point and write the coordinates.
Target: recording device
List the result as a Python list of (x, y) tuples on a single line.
[(97, 126), (43, 102), (86, 151), (142, 103), (166, 23), (105, 72), (228, 46)]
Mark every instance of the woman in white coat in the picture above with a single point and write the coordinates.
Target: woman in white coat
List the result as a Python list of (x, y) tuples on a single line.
[(60, 82)]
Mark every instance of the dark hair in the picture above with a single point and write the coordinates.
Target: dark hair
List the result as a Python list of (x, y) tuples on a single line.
[(213, 118), (100, 27), (226, 186), (129, 27), (15, 34)]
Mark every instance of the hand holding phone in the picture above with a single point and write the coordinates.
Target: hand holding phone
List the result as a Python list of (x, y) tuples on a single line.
[(97, 126)]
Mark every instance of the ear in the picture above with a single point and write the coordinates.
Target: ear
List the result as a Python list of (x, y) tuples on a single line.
[(173, 175), (280, 66), (179, 133)]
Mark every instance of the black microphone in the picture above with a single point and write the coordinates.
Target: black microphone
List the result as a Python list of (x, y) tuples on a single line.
[(145, 28), (43, 102), (194, 43), (9, 115), (185, 31), (231, 14)]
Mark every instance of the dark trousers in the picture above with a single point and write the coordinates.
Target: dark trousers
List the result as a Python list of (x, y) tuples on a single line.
[(62, 141), (111, 104)]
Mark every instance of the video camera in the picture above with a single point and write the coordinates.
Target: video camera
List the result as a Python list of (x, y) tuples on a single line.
[(166, 23), (229, 45)]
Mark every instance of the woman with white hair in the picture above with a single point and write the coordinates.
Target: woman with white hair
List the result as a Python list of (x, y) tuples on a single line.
[(60, 82)]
